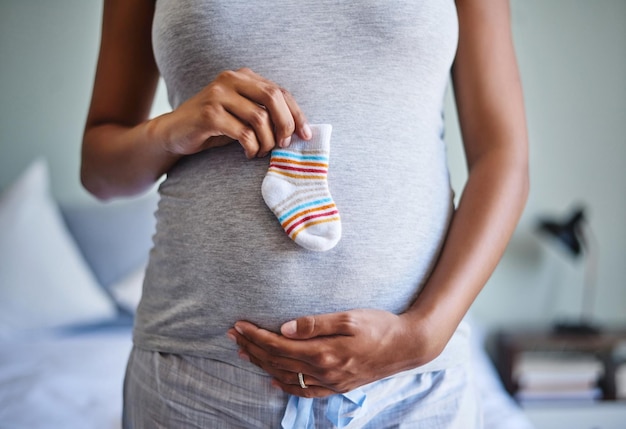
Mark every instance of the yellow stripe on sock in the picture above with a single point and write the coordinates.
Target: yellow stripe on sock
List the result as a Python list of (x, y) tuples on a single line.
[(298, 176)]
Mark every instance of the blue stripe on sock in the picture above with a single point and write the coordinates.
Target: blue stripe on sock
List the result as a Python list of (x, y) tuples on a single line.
[(303, 206), (298, 156)]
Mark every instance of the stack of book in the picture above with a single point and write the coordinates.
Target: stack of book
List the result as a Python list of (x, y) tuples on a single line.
[(552, 376)]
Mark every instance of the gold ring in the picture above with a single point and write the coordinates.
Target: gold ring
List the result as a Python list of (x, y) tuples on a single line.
[(301, 380)]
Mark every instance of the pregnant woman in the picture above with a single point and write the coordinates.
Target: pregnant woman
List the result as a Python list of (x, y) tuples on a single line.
[(352, 315)]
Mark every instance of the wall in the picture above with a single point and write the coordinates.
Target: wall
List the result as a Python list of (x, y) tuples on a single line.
[(572, 56), (48, 53)]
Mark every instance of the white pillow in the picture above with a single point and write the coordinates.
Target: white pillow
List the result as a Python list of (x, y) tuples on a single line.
[(127, 291), (44, 281)]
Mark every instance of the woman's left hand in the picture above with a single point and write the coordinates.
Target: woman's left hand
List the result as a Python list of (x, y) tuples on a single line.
[(335, 352)]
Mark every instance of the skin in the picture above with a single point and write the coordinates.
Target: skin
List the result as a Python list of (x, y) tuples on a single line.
[(124, 153)]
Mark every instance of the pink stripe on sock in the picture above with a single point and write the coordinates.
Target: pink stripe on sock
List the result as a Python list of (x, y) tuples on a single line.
[(304, 170), (305, 219)]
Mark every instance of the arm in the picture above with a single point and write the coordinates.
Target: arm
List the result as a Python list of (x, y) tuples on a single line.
[(124, 153), (345, 350), (491, 114), (119, 156)]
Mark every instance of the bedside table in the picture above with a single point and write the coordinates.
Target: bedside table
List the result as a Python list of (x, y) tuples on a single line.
[(606, 413), (511, 344)]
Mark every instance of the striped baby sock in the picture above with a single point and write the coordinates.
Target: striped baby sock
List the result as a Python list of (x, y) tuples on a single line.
[(296, 190)]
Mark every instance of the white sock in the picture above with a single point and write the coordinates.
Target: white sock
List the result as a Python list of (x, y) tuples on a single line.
[(295, 188)]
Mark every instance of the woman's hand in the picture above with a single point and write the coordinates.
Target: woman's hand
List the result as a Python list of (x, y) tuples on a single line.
[(238, 105), (124, 152), (335, 352)]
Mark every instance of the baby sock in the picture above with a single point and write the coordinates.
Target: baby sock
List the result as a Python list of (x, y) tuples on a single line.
[(296, 190)]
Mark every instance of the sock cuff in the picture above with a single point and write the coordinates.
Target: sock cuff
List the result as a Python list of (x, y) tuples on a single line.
[(319, 141)]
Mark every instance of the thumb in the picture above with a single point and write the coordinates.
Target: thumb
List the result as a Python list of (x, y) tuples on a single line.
[(321, 325)]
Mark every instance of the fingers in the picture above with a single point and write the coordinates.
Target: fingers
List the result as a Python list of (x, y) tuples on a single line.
[(277, 351), (240, 105), (233, 128), (253, 127), (302, 126), (284, 379), (262, 107), (321, 325), (287, 116), (319, 359), (272, 98), (274, 353)]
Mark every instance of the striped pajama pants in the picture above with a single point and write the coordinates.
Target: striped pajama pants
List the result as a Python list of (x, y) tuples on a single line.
[(173, 391)]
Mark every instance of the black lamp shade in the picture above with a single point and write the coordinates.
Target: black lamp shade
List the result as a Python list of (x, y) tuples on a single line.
[(567, 232)]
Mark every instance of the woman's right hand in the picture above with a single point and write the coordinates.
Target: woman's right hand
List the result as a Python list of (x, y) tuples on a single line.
[(124, 152), (238, 105)]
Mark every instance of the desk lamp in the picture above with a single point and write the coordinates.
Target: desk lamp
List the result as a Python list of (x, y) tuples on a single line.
[(574, 235)]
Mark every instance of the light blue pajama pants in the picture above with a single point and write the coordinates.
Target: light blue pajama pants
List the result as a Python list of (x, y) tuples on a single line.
[(173, 391)]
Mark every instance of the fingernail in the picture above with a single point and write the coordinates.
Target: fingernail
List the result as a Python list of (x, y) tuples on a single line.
[(306, 130), (289, 328), (231, 337), (244, 356), (238, 329), (285, 142)]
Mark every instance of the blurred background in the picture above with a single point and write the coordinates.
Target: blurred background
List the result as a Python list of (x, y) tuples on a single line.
[(572, 57)]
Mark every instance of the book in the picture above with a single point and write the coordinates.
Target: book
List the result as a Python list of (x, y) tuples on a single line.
[(552, 376)]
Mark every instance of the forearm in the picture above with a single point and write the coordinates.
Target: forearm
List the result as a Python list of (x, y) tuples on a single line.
[(490, 105), (121, 152), (489, 209), (119, 160)]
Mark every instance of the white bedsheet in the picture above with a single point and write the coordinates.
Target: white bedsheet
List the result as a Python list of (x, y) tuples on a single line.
[(68, 381)]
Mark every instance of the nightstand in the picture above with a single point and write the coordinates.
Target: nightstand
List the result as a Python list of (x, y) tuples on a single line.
[(606, 413), (511, 344)]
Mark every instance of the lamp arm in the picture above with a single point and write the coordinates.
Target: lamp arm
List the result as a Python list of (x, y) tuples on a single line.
[(591, 269)]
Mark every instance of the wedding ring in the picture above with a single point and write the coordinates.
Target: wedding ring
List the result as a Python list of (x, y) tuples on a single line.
[(301, 380)]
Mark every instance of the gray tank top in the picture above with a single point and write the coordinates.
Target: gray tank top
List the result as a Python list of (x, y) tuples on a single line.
[(377, 72)]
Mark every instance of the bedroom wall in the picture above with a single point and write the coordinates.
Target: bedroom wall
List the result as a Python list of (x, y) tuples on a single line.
[(572, 58), (48, 53), (573, 65)]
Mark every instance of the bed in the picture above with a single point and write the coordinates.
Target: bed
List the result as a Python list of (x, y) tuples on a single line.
[(70, 278)]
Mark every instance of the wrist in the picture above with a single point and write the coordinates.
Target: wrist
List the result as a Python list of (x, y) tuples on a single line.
[(157, 130), (157, 150), (425, 333)]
